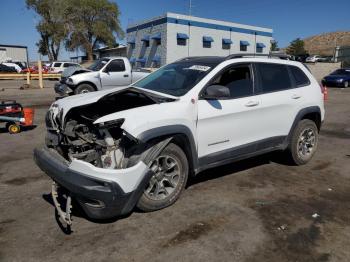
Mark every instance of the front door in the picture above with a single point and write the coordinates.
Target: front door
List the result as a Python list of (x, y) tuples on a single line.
[(115, 74), (224, 125)]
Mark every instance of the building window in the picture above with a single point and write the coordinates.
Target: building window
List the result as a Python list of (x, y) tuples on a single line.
[(226, 46), (243, 48), (181, 41), (158, 42), (207, 41), (146, 43), (132, 45), (259, 49), (207, 44), (226, 43)]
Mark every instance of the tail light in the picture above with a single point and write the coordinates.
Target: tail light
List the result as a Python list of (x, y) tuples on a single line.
[(324, 91)]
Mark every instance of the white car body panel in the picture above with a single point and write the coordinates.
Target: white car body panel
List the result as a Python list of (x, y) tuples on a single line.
[(215, 125)]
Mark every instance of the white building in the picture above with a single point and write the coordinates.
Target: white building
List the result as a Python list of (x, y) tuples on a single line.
[(167, 38), (15, 53)]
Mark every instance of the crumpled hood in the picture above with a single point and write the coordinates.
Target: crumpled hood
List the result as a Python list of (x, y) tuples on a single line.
[(67, 103), (70, 102)]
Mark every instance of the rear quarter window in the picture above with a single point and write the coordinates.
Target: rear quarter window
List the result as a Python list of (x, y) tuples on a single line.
[(300, 79), (273, 77)]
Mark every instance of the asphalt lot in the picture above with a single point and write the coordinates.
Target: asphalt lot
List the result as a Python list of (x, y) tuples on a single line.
[(255, 210)]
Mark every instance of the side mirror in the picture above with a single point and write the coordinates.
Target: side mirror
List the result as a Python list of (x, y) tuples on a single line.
[(214, 92)]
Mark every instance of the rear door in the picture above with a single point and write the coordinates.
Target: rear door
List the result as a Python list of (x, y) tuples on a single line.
[(115, 74), (281, 100), (226, 125)]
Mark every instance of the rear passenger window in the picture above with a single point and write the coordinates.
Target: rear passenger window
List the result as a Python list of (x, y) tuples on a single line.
[(273, 77), (237, 79), (57, 64), (299, 76)]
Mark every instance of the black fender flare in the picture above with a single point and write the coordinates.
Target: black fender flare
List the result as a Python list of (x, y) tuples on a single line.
[(300, 115), (172, 130)]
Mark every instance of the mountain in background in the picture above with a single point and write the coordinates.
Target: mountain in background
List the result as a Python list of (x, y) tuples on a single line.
[(324, 44)]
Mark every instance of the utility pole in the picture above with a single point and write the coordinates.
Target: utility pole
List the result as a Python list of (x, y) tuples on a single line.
[(190, 8)]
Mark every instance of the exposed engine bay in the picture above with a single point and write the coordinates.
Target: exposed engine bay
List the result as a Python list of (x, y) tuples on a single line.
[(104, 145)]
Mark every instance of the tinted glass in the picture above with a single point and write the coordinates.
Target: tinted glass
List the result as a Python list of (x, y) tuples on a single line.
[(226, 46), (206, 44), (181, 41), (98, 64), (176, 79), (116, 66), (243, 48), (300, 78), (57, 64), (274, 77), (237, 79)]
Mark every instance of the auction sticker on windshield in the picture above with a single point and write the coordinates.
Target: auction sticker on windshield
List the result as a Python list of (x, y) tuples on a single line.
[(200, 68)]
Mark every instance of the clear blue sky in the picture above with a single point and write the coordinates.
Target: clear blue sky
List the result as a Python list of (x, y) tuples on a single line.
[(288, 18)]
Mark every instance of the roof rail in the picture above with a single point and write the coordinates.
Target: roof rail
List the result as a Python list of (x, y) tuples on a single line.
[(280, 56)]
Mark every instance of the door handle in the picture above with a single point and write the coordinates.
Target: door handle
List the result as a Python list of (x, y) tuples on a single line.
[(296, 96), (252, 103), (126, 75)]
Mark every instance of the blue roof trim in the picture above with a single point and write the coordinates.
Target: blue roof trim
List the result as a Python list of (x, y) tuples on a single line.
[(145, 38), (157, 36), (244, 43), (141, 60), (156, 58), (182, 36), (260, 45), (208, 39), (227, 41), (132, 60), (197, 24)]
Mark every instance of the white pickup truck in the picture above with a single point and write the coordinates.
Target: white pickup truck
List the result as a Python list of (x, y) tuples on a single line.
[(104, 73)]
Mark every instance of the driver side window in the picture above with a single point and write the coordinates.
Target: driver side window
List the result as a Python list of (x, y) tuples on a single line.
[(116, 66), (237, 79)]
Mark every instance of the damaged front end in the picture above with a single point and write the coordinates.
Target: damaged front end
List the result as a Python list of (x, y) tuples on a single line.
[(103, 167)]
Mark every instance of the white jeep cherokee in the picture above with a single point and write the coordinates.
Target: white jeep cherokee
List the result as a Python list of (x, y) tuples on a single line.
[(136, 146)]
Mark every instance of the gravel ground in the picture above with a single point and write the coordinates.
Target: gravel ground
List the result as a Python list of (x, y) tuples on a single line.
[(254, 210)]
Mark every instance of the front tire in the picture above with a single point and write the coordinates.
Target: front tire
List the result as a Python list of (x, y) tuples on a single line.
[(84, 88), (346, 84), (304, 142), (170, 177)]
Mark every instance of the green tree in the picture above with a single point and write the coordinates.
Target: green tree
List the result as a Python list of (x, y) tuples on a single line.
[(92, 23), (296, 47), (51, 25), (274, 46)]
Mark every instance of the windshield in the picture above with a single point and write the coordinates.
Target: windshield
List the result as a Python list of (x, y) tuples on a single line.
[(176, 79), (341, 72), (98, 64)]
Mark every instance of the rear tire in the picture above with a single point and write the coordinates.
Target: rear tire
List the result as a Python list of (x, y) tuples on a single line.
[(13, 128), (84, 88), (303, 143), (170, 178)]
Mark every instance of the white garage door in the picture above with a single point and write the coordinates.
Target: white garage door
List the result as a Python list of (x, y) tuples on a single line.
[(3, 55)]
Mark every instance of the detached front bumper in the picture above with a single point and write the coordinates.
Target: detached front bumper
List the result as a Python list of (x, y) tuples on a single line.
[(62, 89), (102, 193)]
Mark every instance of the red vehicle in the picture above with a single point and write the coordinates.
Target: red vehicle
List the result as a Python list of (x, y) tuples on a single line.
[(35, 70), (15, 116)]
